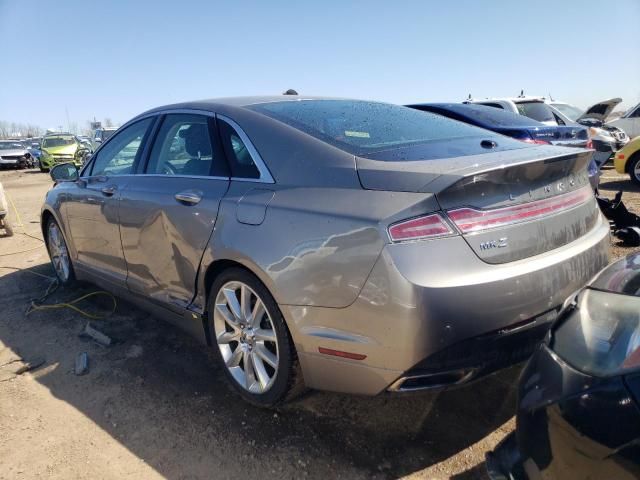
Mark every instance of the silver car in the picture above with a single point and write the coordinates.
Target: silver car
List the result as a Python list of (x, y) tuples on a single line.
[(343, 245), (14, 154)]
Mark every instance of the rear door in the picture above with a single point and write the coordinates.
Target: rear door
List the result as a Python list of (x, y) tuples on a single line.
[(169, 208)]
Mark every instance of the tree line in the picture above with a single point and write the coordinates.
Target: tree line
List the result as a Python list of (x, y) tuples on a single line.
[(29, 130)]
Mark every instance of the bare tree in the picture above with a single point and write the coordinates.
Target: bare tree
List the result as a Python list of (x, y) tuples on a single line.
[(108, 122)]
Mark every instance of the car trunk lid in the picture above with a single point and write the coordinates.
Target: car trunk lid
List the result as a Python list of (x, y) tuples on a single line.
[(508, 205)]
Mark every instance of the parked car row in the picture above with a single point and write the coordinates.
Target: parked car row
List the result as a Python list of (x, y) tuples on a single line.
[(606, 138)]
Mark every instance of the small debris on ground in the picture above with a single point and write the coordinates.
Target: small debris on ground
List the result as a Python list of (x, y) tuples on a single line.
[(82, 364), (96, 335)]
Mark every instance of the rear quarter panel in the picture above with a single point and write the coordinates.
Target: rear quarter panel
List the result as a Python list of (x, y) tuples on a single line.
[(316, 246)]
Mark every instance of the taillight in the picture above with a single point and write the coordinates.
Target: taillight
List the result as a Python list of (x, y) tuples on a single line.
[(535, 141), (472, 220), (429, 226), (589, 144)]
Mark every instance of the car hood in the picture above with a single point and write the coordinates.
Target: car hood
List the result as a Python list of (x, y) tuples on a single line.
[(12, 152), (601, 110), (62, 150)]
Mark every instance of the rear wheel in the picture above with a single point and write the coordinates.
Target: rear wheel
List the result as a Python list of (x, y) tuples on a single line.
[(59, 253), (634, 168), (251, 339)]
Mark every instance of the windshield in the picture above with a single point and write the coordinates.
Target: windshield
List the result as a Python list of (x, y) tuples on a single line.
[(361, 127), (57, 141), (568, 110), (537, 110), (10, 145)]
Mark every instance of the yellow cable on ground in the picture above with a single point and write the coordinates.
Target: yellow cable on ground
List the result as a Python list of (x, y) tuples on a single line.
[(20, 224), (36, 305), (27, 271)]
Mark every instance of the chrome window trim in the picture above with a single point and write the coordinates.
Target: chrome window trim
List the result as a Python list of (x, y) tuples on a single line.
[(138, 175), (265, 174)]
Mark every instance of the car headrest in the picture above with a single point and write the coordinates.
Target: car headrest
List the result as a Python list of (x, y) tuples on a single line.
[(196, 140)]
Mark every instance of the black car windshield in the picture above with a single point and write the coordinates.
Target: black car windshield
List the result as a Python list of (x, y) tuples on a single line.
[(10, 145), (57, 141), (362, 127), (537, 110)]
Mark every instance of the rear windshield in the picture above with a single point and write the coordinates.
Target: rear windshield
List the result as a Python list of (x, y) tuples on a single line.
[(482, 114), (537, 110), (361, 127)]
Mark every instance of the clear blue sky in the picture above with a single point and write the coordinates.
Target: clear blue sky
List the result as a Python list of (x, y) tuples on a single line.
[(116, 58)]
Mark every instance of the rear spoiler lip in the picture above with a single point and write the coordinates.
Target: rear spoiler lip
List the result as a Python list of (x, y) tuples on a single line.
[(439, 177)]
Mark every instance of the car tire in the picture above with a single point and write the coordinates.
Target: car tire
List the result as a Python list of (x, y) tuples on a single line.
[(634, 168), (6, 225), (263, 343), (59, 253)]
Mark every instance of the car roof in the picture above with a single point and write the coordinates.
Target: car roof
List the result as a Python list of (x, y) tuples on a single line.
[(510, 99), (239, 102)]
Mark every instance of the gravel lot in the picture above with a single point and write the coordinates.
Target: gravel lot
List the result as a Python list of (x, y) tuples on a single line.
[(154, 404)]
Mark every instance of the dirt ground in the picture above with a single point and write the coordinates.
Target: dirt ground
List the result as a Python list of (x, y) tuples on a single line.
[(154, 404)]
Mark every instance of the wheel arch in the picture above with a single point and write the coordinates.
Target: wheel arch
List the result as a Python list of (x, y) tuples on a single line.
[(214, 269)]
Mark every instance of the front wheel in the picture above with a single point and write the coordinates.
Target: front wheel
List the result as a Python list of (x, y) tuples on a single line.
[(634, 169), (59, 253), (251, 339)]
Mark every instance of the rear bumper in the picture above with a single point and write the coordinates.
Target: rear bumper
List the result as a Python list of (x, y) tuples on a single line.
[(424, 298)]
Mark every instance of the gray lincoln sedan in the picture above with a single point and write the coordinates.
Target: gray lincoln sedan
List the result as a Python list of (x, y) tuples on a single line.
[(336, 244)]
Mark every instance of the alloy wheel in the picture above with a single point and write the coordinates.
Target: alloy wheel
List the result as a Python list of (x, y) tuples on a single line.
[(636, 171), (246, 337), (58, 252)]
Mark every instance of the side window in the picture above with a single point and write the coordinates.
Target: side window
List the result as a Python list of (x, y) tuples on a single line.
[(183, 147), (635, 114), (240, 161), (118, 156)]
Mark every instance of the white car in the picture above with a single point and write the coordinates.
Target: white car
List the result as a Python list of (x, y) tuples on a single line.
[(532, 107), (607, 139), (629, 122)]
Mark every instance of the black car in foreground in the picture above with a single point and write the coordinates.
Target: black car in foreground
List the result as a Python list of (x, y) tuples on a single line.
[(579, 395), (516, 126)]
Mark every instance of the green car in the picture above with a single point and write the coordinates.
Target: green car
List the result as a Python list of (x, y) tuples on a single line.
[(61, 148)]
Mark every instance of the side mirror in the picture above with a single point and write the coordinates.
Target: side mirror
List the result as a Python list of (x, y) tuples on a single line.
[(64, 172)]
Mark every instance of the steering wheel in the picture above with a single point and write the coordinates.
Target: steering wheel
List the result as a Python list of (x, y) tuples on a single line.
[(169, 169)]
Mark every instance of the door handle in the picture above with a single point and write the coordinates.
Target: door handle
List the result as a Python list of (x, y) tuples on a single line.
[(108, 191), (191, 198)]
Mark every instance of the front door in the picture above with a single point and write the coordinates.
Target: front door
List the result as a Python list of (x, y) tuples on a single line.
[(168, 210), (92, 207)]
